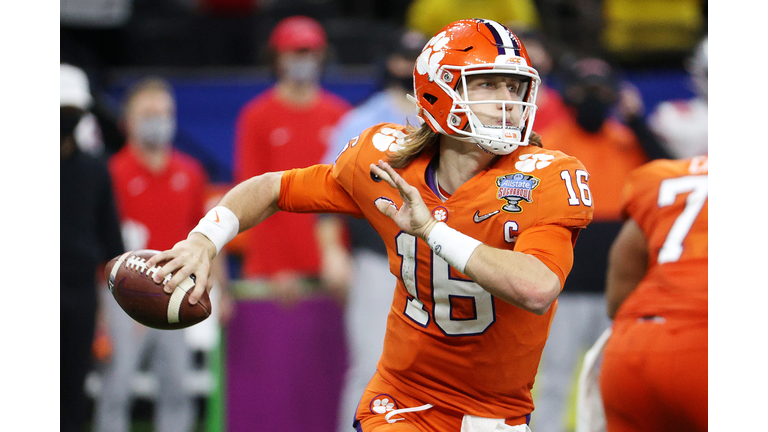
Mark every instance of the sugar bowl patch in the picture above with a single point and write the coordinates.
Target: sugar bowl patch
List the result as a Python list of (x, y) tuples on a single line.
[(515, 188)]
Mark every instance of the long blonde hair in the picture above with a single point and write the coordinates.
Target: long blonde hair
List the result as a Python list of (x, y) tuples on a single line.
[(421, 139)]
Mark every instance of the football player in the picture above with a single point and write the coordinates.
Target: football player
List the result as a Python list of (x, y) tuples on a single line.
[(654, 369), (479, 222)]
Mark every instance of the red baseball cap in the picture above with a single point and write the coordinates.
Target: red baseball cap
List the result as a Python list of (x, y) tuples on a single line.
[(297, 32)]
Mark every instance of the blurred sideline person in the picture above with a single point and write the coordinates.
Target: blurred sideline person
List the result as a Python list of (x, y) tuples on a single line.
[(593, 133), (372, 285), (289, 126), (469, 319), (160, 195), (654, 370), (682, 125), (90, 236)]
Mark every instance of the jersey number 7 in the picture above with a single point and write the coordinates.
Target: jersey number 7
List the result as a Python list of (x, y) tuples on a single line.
[(698, 186)]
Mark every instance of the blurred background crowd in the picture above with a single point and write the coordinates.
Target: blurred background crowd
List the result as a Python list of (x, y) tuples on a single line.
[(221, 45), (180, 99), (224, 33)]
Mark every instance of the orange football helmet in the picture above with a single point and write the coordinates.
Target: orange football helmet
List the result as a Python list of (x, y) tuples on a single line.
[(471, 47)]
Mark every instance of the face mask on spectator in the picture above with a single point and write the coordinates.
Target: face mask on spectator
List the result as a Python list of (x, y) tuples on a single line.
[(157, 132), (304, 70), (68, 120), (591, 113)]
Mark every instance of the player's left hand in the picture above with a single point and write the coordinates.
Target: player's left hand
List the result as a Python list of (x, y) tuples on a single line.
[(413, 216)]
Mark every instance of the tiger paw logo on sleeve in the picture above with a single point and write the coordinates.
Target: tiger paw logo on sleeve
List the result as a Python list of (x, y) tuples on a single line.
[(389, 139), (515, 188)]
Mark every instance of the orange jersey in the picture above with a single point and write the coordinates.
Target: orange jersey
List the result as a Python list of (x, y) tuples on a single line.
[(449, 342), (668, 199)]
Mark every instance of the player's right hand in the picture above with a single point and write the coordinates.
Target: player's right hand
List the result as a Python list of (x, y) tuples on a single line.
[(192, 256), (413, 216)]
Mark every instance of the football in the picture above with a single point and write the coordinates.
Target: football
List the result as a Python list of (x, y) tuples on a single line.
[(130, 281)]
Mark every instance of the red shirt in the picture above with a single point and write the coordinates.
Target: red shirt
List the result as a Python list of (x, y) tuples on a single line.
[(550, 108), (167, 204), (273, 136)]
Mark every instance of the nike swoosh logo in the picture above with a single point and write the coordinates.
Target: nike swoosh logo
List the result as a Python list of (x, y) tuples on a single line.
[(477, 218), (217, 216)]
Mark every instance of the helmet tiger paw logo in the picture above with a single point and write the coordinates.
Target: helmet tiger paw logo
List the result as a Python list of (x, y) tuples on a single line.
[(429, 60), (389, 139), (382, 405)]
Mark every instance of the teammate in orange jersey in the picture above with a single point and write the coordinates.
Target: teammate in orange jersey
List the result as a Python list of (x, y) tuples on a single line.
[(654, 371), (479, 222)]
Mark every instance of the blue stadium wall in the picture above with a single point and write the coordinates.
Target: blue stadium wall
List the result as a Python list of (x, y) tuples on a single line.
[(208, 106)]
